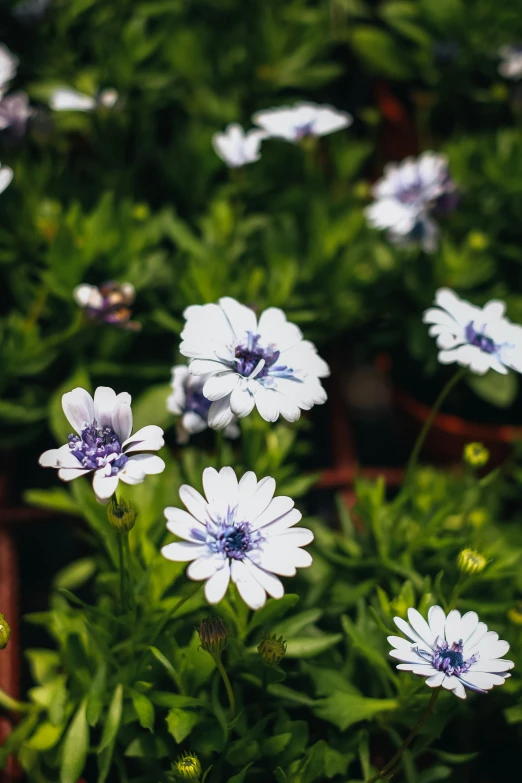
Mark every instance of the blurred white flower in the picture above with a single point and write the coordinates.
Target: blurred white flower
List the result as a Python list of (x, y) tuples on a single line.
[(14, 112), (67, 99), (239, 531), (453, 652), (406, 196), (236, 147), (249, 363), (110, 303), (476, 337), (6, 175), (188, 401), (104, 442), (511, 65), (294, 123), (8, 67)]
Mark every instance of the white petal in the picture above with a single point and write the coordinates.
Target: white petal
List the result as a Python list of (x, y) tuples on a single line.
[(478, 634), (207, 366), (452, 631), (460, 691), (67, 474), (104, 486), (408, 631), (142, 464), (249, 589), (246, 490), (410, 657), (302, 558), (122, 420), (149, 438), (283, 523), (492, 648), (67, 99), (6, 176), (450, 683), (297, 536), (495, 665), (104, 404), (241, 402), (276, 330), (217, 585), (468, 624), (220, 385), (275, 509), (421, 669), (437, 622), (205, 567), (420, 626), (274, 560), (483, 680), (260, 500), (194, 502), (182, 551), (267, 403), (211, 485), (242, 319), (78, 408), (435, 680), (270, 582), (183, 524), (229, 486), (220, 415)]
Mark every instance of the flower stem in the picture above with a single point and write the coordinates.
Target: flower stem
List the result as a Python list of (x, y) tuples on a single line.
[(390, 766), (123, 596), (412, 463), (228, 686), (220, 443), (130, 586)]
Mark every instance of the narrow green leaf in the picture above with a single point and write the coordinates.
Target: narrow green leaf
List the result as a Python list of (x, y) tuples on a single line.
[(180, 723), (272, 609), (165, 663), (97, 694), (144, 709), (75, 746), (308, 647), (104, 762), (112, 724), (345, 709), (240, 777), (75, 574), (9, 703)]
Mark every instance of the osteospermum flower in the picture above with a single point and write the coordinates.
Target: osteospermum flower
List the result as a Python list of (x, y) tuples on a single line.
[(406, 196), (6, 175), (103, 443), (511, 61), (8, 67), (14, 112), (476, 337), (67, 99), (294, 123), (189, 403), (110, 303), (453, 652), (250, 362), (236, 147), (238, 531)]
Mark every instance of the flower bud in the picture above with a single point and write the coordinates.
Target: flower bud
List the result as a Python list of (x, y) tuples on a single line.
[(471, 562), (272, 650), (187, 767), (213, 634), (121, 514), (5, 632), (515, 613), (475, 455)]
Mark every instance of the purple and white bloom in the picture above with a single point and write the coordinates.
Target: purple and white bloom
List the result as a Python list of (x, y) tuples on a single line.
[(14, 112), (295, 123), (8, 67), (236, 147), (238, 531), (511, 65), (103, 443), (110, 303), (68, 99), (249, 362), (453, 652), (188, 401), (476, 337), (6, 175), (406, 196)]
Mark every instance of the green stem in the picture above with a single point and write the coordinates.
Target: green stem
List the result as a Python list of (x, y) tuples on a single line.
[(126, 549), (123, 597), (389, 768), (220, 444), (228, 686), (412, 464)]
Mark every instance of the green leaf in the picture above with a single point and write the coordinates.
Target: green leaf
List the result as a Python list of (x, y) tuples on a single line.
[(180, 723), (280, 775), (97, 694), (44, 664), (295, 624), (379, 51), (308, 647), (144, 709), (272, 609), (104, 762), (243, 751), (147, 746), (165, 663), (112, 724), (75, 747), (240, 777), (499, 390), (56, 499), (75, 574), (345, 709), (45, 737), (9, 703), (273, 746)]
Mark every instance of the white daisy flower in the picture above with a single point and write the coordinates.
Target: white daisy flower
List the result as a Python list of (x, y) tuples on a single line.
[(68, 99), (294, 123), (188, 401), (263, 363), (476, 337), (104, 443), (109, 303), (6, 175), (455, 652), (8, 67), (405, 196), (14, 112), (236, 147), (511, 65), (239, 531)]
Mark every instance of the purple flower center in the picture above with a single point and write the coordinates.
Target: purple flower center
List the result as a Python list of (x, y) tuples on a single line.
[(302, 131), (250, 355), (196, 402), (450, 660), (98, 447), (479, 339), (231, 538)]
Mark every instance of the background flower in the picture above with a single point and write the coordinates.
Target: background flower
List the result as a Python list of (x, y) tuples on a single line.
[(104, 442), (6, 175), (188, 401), (294, 123), (8, 67), (68, 99), (238, 531), (110, 303), (453, 652), (236, 147), (511, 61)]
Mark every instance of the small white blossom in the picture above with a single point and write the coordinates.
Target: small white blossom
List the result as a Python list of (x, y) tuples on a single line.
[(238, 531), (249, 362), (8, 67), (103, 443), (14, 112), (406, 195), (188, 401), (68, 99), (109, 303), (6, 175), (294, 123), (236, 147), (453, 652), (511, 65), (476, 337)]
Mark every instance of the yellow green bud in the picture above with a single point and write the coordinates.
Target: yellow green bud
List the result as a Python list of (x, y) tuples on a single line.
[(272, 650), (187, 767), (121, 514), (213, 634), (476, 455), (5, 632), (515, 614), (478, 517), (471, 562), (477, 240)]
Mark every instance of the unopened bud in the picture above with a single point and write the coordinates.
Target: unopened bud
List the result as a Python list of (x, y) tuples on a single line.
[(5, 632), (213, 634), (475, 455), (121, 514), (187, 767), (272, 650), (515, 614), (471, 562)]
